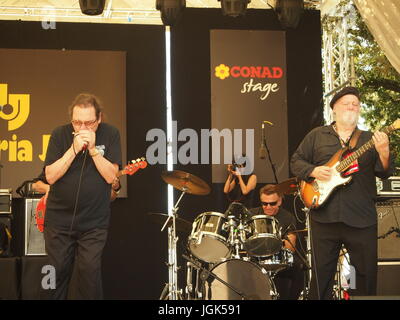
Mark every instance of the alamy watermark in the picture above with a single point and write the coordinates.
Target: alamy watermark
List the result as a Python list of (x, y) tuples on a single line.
[(189, 152), (49, 280), (49, 18)]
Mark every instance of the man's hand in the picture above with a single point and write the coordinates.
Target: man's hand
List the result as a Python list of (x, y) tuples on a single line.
[(322, 173), (381, 141), (84, 137)]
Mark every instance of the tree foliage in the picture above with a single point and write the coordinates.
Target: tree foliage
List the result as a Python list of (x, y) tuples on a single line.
[(378, 81)]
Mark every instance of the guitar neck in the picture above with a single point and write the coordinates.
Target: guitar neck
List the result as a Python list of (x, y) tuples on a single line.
[(344, 164)]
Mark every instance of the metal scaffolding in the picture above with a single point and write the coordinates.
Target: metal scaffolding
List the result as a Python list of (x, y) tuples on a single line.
[(338, 67)]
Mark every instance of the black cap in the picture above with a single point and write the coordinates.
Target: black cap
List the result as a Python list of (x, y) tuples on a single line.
[(345, 91)]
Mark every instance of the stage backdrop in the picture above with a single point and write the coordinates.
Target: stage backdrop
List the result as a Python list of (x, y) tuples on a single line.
[(193, 96), (36, 90), (248, 89)]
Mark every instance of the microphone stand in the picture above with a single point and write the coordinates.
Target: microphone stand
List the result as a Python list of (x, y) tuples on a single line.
[(264, 142)]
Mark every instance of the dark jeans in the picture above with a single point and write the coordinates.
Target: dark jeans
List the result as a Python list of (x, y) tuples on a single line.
[(78, 252), (361, 244)]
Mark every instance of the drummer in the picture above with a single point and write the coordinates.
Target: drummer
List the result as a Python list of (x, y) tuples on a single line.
[(288, 282), (271, 202)]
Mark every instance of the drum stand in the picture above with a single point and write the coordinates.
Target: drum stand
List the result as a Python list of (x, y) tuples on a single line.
[(233, 238), (171, 291)]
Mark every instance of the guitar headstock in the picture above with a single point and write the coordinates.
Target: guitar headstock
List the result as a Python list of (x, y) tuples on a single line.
[(135, 165)]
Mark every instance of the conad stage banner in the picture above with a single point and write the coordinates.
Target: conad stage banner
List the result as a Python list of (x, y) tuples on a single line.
[(248, 89), (36, 90)]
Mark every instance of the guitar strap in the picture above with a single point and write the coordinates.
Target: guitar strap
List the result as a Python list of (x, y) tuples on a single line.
[(354, 138)]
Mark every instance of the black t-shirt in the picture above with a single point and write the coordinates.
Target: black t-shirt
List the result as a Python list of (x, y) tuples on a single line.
[(93, 207), (287, 222), (353, 204)]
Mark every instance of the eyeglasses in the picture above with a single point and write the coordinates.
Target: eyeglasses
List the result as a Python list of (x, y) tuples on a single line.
[(272, 204), (87, 124)]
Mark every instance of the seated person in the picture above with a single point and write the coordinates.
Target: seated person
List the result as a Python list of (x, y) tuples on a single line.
[(288, 282)]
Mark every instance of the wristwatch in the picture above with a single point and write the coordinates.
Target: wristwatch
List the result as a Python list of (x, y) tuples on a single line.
[(94, 153)]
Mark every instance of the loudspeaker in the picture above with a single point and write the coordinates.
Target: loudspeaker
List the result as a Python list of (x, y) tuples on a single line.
[(34, 239), (92, 7), (388, 278), (388, 230)]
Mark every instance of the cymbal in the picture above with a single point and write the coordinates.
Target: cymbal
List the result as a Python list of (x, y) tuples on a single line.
[(289, 186), (186, 182), (181, 224)]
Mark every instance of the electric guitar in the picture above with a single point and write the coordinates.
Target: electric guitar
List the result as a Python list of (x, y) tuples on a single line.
[(130, 169), (314, 194)]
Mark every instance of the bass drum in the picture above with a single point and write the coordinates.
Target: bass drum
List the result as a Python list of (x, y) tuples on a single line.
[(244, 276)]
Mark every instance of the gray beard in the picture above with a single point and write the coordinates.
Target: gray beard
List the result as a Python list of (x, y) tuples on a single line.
[(349, 118)]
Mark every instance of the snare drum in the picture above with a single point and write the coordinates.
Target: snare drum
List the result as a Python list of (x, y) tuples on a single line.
[(209, 238), (277, 262), (264, 239)]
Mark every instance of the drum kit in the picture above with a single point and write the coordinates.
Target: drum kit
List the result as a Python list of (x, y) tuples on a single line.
[(233, 255)]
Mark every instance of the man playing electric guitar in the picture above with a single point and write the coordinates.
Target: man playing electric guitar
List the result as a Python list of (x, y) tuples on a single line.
[(348, 216)]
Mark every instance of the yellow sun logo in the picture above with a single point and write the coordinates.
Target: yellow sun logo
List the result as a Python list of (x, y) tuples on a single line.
[(222, 71)]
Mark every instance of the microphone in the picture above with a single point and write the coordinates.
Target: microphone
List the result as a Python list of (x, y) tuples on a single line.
[(262, 153), (84, 147)]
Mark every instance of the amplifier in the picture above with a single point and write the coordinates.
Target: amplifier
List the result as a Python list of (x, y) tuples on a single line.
[(388, 278), (5, 201), (34, 239), (388, 230), (388, 187)]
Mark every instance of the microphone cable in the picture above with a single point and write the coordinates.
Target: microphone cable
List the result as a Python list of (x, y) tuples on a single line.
[(78, 191)]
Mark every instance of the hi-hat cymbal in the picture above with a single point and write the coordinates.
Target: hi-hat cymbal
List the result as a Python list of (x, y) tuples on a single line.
[(289, 186), (186, 182), (181, 224)]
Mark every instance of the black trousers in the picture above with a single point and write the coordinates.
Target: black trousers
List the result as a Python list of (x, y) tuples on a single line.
[(78, 252), (361, 244), (290, 282)]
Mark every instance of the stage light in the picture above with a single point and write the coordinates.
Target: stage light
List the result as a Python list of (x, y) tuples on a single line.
[(170, 10), (289, 12), (234, 8), (92, 7)]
